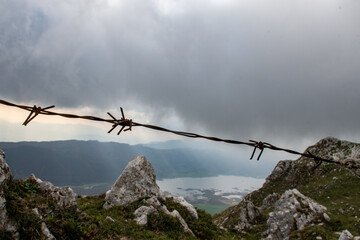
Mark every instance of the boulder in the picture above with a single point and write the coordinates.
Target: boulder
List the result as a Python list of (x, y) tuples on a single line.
[(63, 196), (346, 235), (293, 211), (248, 215), (137, 181), (188, 206), (142, 213), (6, 225)]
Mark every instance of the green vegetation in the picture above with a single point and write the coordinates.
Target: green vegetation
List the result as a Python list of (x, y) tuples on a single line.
[(211, 209), (335, 187), (92, 221)]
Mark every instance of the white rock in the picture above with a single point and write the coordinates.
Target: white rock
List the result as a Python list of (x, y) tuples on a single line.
[(108, 218), (248, 214), (346, 235), (44, 229), (63, 196), (188, 206), (177, 215), (138, 180), (6, 225), (142, 213), (293, 208), (326, 217)]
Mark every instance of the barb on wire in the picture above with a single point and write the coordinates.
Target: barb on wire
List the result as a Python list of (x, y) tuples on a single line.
[(259, 145), (34, 112), (124, 122)]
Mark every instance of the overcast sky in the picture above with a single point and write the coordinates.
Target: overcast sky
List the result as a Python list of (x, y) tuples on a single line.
[(287, 72)]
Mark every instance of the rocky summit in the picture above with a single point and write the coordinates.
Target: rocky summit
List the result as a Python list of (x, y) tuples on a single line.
[(138, 180), (303, 200)]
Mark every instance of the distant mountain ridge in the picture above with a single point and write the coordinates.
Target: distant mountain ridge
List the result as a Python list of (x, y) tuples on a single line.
[(74, 162)]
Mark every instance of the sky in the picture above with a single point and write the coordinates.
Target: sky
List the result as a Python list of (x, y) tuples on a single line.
[(285, 72)]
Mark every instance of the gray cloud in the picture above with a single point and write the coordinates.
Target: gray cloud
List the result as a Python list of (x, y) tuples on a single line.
[(278, 69)]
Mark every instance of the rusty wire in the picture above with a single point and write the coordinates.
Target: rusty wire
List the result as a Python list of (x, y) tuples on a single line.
[(123, 122)]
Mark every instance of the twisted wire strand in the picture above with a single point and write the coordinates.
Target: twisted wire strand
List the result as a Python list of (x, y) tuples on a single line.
[(123, 122)]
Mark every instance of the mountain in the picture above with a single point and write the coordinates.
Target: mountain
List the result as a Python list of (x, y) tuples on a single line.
[(301, 200), (83, 162), (134, 208)]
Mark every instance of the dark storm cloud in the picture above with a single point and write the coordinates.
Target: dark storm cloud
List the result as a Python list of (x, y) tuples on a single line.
[(241, 69)]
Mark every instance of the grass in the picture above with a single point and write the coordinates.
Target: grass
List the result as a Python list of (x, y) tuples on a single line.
[(211, 209), (91, 220), (335, 187)]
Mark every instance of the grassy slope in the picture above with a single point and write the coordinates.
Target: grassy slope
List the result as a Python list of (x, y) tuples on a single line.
[(333, 186), (91, 223)]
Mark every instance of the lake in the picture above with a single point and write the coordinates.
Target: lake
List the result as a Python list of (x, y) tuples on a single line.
[(213, 194)]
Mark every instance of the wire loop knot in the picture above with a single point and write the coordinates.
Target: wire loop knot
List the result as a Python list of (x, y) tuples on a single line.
[(123, 122), (259, 145)]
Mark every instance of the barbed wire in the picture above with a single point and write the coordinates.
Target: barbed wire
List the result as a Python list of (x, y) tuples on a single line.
[(124, 122)]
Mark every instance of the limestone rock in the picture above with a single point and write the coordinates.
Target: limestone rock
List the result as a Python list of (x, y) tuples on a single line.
[(154, 206), (44, 229), (6, 225), (281, 168), (188, 206), (138, 180), (249, 213), (142, 213), (292, 212), (63, 196), (184, 225), (346, 235), (269, 201)]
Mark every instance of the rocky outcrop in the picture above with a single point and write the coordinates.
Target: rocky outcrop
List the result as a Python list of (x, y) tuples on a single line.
[(6, 225), (249, 214), (269, 201), (137, 181), (280, 169), (293, 211), (63, 196), (188, 206), (44, 229), (153, 206), (142, 213)]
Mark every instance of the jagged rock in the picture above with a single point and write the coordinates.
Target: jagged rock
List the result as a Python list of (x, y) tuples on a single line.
[(184, 225), (281, 168), (188, 206), (63, 196), (292, 212), (44, 229), (6, 225), (269, 201), (346, 235), (142, 213), (138, 180), (249, 213)]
